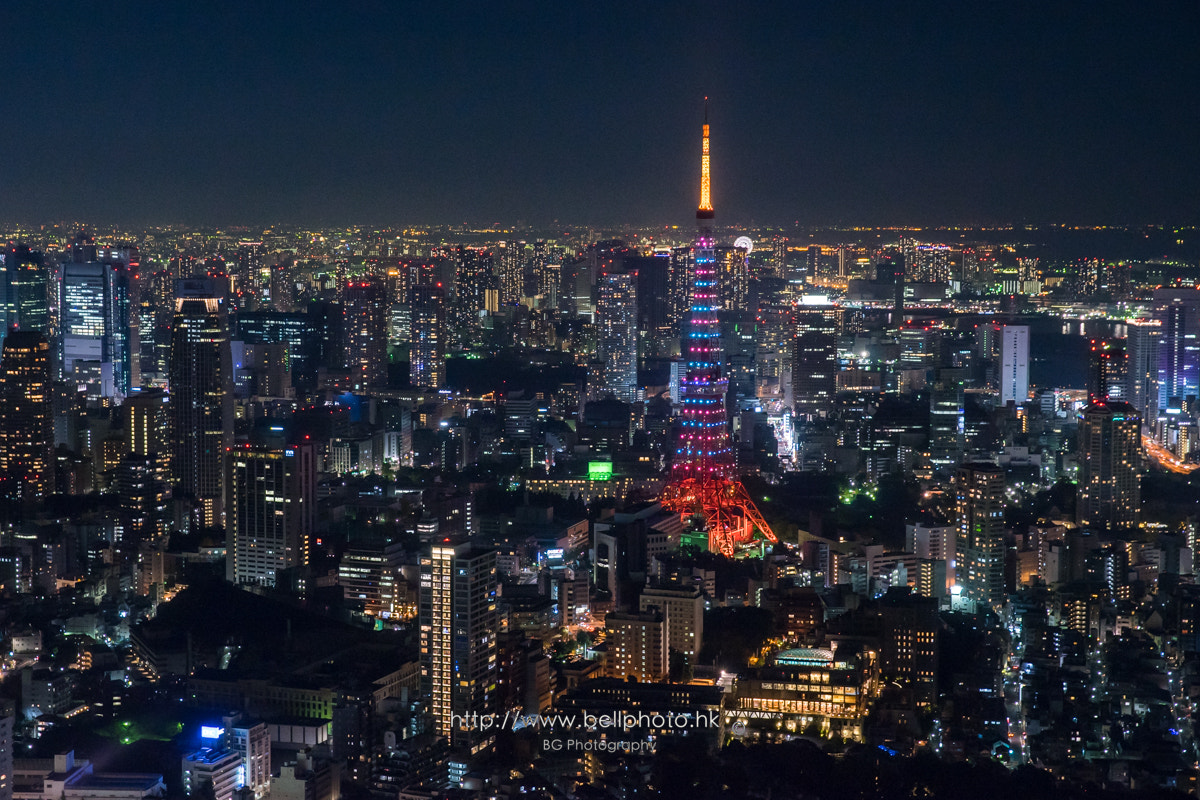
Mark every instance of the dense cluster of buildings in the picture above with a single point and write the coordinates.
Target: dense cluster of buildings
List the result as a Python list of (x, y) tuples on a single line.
[(358, 510)]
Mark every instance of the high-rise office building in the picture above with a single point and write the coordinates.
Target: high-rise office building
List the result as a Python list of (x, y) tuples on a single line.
[(426, 354), (890, 269), (371, 580), (365, 307), (458, 621), (326, 322), (26, 423), (24, 297), (653, 303), (979, 545), (201, 383), (399, 323), (271, 511), (814, 360), (1110, 492), (1014, 364), (774, 335), (1142, 343), (97, 327), (909, 645), (295, 331), (1179, 348), (617, 311), (946, 425), (1108, 370)]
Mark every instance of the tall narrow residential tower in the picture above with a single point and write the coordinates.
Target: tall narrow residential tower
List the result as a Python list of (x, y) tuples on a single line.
[(703, 477), (365, 315), (617, 314), (458, 623)]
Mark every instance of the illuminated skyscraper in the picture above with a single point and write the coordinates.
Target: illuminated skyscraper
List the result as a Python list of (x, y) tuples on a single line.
[(779, 249), (426, 353), (733, 272), (26, 425), (979, 545), (247, 274), (143, 476), (96, 327), (1110, 474), (1108, 370), (365, 308), (472, 278), (814, 360), (512, 272), (547, 275), (201, 381), (272, 493), (1179, 349), (932, 264), (458, 621), (890, 268), (1142, 377), (946, 425), (143, 494), (23, 282), (147, 421), (617, 308), (1014, 364)]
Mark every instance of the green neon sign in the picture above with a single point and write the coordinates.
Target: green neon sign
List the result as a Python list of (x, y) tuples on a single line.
[(599, 470)]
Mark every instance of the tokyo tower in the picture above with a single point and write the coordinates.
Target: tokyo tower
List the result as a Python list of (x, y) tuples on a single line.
[(703, 476)]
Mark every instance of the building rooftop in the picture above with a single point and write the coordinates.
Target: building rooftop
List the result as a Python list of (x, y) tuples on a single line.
[(119, 781), (805, 657), (209, 755)]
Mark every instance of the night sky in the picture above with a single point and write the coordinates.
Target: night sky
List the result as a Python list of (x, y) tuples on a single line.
[(588, 112)]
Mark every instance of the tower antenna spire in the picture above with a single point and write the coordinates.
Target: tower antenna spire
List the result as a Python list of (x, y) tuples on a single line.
[(705, 211)]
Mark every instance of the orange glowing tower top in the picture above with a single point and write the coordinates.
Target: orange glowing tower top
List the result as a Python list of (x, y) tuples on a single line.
[(703, 474), (705, 211)]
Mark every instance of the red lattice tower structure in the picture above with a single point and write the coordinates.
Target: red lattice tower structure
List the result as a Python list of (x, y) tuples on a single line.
[(703, 476)]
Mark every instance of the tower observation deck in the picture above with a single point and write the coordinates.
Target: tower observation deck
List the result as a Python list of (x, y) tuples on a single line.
[(704, 480)]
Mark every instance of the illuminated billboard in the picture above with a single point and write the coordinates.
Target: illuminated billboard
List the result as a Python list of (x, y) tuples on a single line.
[(600, 470)]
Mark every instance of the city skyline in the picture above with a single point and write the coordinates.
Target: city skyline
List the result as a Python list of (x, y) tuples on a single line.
[(529, 509), (537, 113)]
